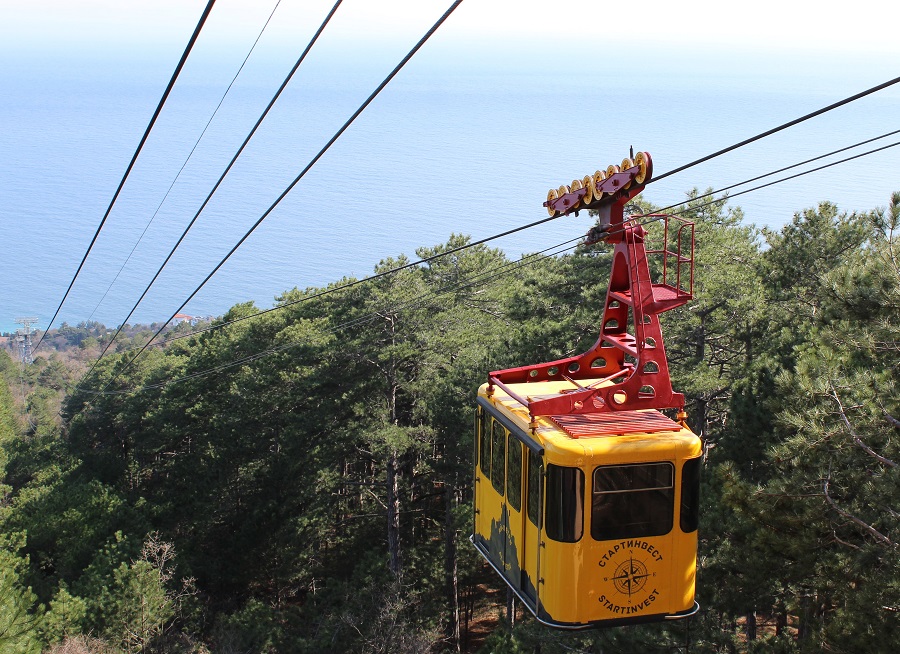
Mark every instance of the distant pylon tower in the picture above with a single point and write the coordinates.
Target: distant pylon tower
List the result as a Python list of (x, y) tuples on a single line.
[(25, 334)]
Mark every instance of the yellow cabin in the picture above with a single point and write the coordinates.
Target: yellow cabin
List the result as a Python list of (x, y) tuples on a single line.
[(592, 519)]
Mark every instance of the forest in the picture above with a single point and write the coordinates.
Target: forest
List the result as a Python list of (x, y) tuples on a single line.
[(299, 480)]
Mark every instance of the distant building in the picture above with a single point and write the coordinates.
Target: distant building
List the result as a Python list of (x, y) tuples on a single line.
[(193, 320)]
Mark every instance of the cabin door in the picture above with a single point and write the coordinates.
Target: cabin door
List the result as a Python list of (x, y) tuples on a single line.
[(482, 472), (532, 517), (514, 550)]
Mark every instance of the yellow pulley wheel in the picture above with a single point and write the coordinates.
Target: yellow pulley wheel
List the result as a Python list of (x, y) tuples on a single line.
[(626, 164), (599, 176), (640, 160), (576, 186), (588, 184), (562, 190), (551, 196)]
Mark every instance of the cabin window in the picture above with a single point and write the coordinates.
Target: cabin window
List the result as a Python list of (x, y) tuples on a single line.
[(690, 495), (565, 503), (484, 454), (498, 455), (632, 501), (514, 473), (534, 487)]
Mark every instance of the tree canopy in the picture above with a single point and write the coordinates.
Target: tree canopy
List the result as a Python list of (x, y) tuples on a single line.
[(299, 481)]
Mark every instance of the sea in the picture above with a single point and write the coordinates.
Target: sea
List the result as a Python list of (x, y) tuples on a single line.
[(462, 141)]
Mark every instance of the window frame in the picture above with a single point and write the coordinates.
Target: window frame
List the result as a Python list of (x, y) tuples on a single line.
[(689, 514), (534, 477), (498, 456), (621, 502), (513, 486), (484, 443), (566, 525)]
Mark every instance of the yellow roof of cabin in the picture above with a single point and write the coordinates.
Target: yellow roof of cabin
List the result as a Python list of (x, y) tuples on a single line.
[(596, 433)]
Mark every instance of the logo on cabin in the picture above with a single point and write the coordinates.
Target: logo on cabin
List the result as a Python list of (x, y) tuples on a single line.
[(629, 573), (630, 577)]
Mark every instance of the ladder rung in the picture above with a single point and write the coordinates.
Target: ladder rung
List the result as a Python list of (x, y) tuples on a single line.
[(623, 297), (624, 342)]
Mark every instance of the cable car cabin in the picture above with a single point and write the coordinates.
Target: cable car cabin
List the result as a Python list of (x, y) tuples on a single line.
[(586, 495), (590, 519)]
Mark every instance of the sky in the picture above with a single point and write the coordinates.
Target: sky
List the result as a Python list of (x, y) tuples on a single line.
[(696, 43), (865, 27)]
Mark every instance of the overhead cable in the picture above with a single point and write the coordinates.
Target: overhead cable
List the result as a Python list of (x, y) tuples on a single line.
[(779, 181), (483, 277), (187, 159), (219, 181), (426, 260), (392, 271), (300, 176), (819, 112), (357, 282), (774, 130), (796, 165), (134, 157), (529, 259)]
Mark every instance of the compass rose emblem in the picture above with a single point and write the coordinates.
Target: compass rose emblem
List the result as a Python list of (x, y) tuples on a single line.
[(632, 567), (630, 576)]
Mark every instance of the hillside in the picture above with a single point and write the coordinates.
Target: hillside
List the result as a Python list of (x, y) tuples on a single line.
[(301, 482)]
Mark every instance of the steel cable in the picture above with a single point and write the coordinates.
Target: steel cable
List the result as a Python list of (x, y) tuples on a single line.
[(300, 176), (134, 157), (781, 127), (777, 181), (481, 241), (187, 159), (483, 277), (512, 231), (218, 183)]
